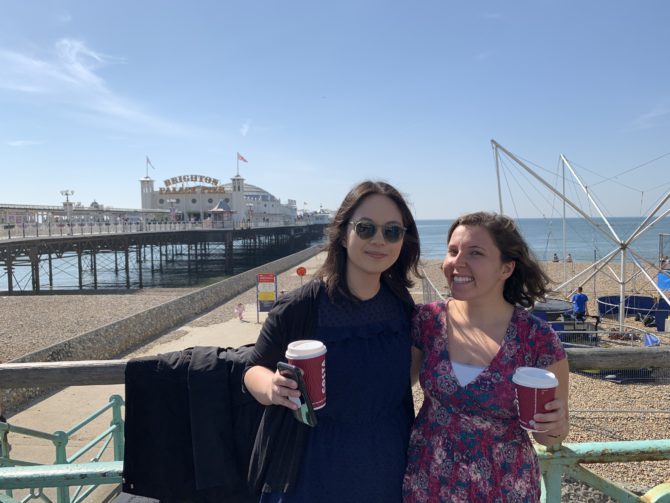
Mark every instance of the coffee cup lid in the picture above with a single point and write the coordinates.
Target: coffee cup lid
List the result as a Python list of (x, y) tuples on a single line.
[(533, 377), (305, 349)]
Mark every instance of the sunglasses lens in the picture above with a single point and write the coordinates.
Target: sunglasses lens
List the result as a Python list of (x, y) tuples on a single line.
[(393, 233), (365, 230)]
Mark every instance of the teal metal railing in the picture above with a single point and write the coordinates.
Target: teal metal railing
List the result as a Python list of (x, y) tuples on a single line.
[(64, 473), (567, 459)]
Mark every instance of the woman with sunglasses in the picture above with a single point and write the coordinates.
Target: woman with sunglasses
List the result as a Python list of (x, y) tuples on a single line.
[(359, 306), (467, 443)]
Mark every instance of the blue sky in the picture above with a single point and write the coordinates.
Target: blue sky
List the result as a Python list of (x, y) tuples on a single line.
[(320, 95)]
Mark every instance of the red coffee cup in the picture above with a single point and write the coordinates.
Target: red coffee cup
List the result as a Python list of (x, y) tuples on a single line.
[(310, 356), (534, 389)]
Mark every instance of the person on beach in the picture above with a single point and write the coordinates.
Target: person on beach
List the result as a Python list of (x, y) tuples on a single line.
[(555, 259), (467, 444), (359, 306), (579, 306), (568, 259), (239, 311)]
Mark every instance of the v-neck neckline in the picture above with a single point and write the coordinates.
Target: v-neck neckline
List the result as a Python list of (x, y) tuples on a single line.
[(496, 357)]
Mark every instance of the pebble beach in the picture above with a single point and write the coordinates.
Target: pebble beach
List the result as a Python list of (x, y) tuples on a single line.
[(600, 410)]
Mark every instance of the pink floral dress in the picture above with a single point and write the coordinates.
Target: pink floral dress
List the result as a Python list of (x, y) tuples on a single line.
[(466, 443)]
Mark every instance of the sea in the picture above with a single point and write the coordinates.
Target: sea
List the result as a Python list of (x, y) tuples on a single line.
[(544, 236), (584, 242)]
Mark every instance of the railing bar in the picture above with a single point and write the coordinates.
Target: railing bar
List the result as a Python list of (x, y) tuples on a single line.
[(103, 448), (90, 418), (86, 493), (90, 445), (33, 433), (605, 486)]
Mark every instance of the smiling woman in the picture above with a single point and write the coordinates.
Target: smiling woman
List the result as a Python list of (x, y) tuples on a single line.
[(360, 309), (468, 431)]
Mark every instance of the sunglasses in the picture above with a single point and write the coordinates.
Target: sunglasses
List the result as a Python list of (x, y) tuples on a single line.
[(365, 229)]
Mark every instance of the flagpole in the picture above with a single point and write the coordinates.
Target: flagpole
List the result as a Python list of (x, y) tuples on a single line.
[(238, 164), (146, 166)]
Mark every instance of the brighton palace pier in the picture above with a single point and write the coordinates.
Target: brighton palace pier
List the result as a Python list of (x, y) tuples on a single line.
[(191, 218), (182, 198)]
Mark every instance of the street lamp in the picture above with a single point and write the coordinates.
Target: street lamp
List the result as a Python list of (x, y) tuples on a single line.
[(68, 206)]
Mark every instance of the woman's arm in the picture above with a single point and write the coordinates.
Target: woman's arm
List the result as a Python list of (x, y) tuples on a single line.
[(417, 357), (555, 423), (270, 388)]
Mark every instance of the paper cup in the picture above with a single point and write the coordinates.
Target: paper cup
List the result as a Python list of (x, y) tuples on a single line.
[(534, 389), (310, 356)]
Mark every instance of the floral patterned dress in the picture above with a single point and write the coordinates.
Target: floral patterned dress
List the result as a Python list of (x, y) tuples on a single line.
[(466, 443)]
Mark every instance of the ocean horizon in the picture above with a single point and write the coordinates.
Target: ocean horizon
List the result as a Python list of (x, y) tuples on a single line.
[(545, 237)]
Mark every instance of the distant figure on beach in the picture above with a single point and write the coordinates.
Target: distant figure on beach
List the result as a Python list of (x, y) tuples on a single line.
[(665, 263), (239, 311), (579, 307), (467, 442), (360, 307), (555, 259), (568, 259)]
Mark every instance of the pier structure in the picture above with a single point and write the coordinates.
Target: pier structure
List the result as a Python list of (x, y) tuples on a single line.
[(116, 261)]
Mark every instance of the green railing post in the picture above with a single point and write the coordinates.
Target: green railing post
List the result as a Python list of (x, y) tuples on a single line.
[(117, 422), (60, 441), (552, 478)]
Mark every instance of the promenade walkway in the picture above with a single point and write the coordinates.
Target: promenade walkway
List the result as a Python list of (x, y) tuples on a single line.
[(68, 407)]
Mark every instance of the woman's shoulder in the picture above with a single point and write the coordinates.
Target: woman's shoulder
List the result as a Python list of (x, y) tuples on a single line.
[(301, 296), (431, 308)]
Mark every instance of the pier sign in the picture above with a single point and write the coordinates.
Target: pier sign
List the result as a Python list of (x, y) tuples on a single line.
[(266, 290)]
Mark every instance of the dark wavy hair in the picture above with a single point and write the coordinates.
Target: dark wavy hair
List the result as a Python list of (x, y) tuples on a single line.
[(397, 277), (528, 282)]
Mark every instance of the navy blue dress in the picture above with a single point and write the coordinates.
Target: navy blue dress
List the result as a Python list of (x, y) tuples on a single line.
[(357, 451)]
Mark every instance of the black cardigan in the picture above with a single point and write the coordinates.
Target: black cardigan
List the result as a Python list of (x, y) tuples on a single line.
[(189, 429)]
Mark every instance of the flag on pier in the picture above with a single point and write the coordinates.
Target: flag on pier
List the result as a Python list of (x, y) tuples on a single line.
[(240, 157), (149, 163)]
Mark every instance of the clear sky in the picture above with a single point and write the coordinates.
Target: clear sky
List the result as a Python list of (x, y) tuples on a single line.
[(320, 95)]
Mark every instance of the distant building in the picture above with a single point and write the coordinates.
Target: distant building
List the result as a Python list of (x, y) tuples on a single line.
[(199, 198)]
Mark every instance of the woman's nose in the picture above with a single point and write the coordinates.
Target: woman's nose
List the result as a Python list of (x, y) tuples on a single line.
[(378, 237)]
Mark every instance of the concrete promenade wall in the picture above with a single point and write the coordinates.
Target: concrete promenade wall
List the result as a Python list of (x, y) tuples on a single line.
[(112, 340)]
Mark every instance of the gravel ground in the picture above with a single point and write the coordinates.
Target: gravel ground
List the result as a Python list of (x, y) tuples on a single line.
[(33, 322)]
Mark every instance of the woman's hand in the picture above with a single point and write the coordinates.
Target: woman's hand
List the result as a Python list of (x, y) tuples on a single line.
[(271, 388), (555, 421), (281, 390), (553, 424)]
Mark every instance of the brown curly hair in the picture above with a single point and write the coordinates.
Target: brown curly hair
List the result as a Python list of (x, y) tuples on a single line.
[(528, 281)]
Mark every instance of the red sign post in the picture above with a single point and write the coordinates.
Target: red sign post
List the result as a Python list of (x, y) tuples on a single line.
[(301, 271)]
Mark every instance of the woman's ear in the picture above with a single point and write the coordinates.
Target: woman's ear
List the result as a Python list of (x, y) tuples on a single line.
[(508, 268)]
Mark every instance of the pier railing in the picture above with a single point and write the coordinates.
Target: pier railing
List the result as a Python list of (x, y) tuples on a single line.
[(555, 461), (47, 229)]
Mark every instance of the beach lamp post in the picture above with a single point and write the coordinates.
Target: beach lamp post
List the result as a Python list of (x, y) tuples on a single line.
[(68, 206)]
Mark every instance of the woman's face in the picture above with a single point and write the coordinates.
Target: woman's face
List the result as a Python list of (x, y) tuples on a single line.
[(374, 255), (473, 266)]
